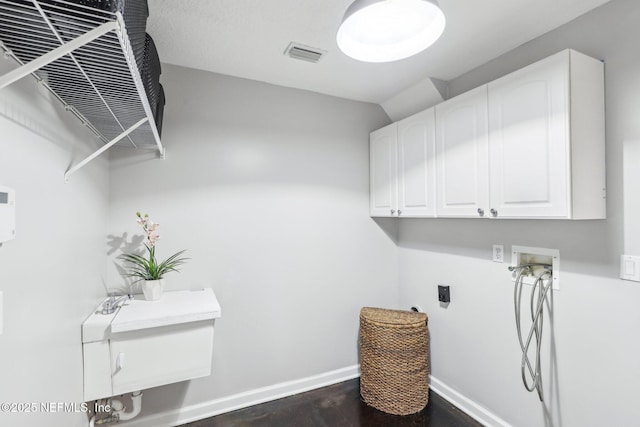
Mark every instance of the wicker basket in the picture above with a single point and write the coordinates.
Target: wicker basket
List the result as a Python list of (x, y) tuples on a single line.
[(394, 360)]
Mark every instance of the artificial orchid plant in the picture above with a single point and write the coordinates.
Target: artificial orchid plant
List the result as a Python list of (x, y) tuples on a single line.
[(150, 269)]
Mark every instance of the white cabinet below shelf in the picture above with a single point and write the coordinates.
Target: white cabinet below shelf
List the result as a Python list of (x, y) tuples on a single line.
[(402, 168), (167, 355), (527, 145), (147, 344)]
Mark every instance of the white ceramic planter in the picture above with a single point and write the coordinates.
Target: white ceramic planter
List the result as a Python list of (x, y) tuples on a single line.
[(152, 289)]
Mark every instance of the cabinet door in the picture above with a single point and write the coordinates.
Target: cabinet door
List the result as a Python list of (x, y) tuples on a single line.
[(153, 357), (416, 168), (462, 155), (383, 148), (529, 140)]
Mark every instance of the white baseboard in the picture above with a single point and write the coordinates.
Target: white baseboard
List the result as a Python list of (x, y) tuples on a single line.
[(466, 405), (234, 402)]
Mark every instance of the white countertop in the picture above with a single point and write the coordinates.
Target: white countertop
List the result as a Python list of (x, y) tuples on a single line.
[(173, 308)]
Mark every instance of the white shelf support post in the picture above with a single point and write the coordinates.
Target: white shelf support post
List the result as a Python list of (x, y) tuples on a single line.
[(56, 53), (103, 149)]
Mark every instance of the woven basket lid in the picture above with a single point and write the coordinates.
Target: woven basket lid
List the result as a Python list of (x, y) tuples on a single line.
[(383, 316)]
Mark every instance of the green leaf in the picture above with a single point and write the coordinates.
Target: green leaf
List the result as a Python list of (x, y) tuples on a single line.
[(150, 269)]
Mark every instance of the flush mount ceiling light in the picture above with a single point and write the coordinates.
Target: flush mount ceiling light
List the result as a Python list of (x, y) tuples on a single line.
[(388, 30)]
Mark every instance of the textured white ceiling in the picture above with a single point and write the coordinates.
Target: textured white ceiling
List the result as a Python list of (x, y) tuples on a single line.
[(247, 38)]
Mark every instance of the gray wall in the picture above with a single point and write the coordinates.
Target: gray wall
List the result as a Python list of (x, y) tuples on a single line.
[(590, 362), (267, 188), (53, 272)]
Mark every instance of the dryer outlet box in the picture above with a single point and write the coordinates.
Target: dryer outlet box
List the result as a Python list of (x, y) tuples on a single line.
[(443, 293)]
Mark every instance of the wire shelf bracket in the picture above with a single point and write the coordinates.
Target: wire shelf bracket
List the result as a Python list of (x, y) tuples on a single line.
[(103, 149), (84, 57)]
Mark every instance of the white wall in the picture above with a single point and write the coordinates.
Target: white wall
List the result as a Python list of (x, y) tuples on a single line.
[(53, 272), (267, 188), (590, 364)]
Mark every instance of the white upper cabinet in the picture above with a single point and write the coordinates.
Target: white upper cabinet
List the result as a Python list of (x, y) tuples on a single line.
[(546, 140), (383, 151), (462, 155), (402, 168), (528, 145), (416, 165)]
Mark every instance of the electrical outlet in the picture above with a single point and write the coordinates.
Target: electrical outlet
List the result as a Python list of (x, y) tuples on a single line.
[(498, 253), (444, 293)]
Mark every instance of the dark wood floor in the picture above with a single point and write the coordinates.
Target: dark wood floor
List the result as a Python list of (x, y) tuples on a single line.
[(338, 405)]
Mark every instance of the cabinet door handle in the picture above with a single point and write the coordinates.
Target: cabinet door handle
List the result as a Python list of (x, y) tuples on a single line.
[(120, 362), (393, 211), (480, 211), (494, 212)]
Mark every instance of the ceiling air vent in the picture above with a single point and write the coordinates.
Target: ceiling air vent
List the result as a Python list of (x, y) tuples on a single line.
[(304, 53)]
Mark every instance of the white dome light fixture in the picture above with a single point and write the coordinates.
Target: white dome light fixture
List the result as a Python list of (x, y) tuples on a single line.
[(389, 30)]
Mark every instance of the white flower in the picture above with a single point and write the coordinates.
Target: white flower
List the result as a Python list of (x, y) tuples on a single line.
[(150, 228)]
